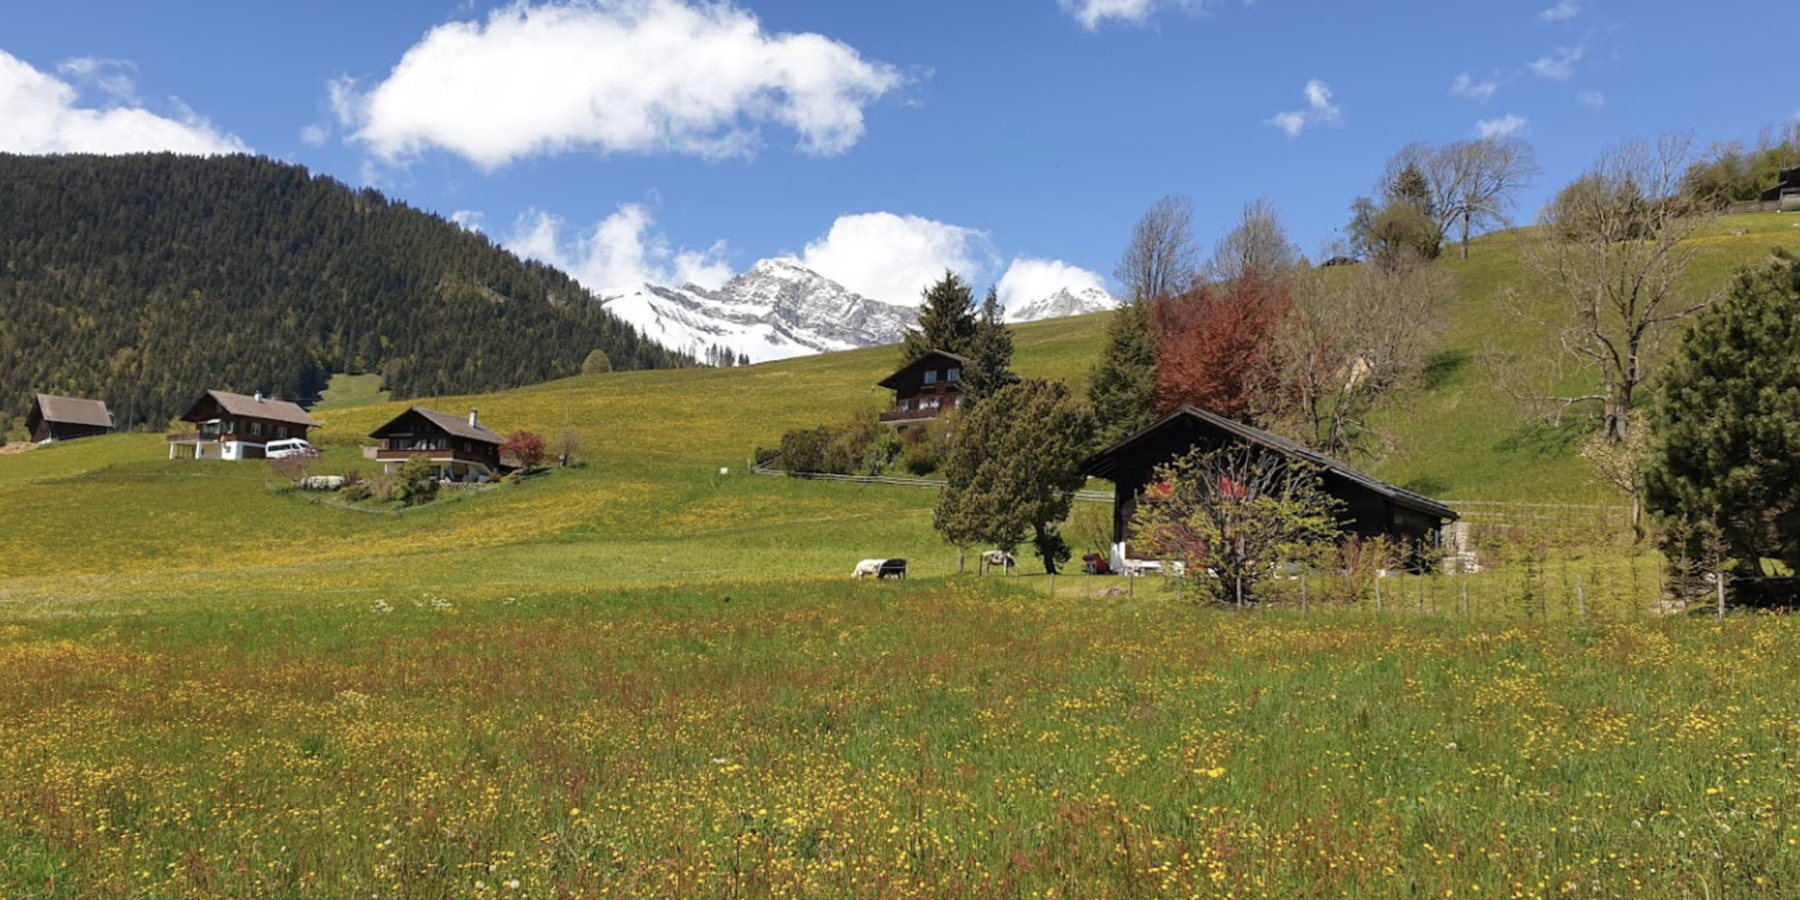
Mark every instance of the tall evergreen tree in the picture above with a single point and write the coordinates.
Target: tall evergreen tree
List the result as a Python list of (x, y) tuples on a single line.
[(1014, 469), (990, 353), (946, 320), (1123, 388)]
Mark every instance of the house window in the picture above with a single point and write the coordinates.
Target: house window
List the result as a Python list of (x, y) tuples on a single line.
[(953, 375), (281, 432), (931, 376), (256, 429)]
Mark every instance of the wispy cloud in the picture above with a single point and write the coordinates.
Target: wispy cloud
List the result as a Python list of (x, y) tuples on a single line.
[(616, 76), (1593, 99), (1092, 13), (1559, 64), (1561, 12), (1470, 88), (40, 113), (314, 135), (1319, 108), (1501, 127)]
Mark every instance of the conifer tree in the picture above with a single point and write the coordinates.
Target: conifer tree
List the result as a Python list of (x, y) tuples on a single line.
[(946, 320), (1123, 389), (1727, 422), (990, 353), (1014, 469)]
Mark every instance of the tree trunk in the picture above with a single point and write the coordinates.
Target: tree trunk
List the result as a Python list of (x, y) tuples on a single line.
[(1042, 539)]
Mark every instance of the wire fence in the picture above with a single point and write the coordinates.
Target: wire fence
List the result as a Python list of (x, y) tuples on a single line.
[(927, 483)]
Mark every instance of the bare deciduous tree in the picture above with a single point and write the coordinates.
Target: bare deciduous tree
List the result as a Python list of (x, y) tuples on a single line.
[(1347, 346), (1613, 245), (1161, 258), (1472, 184), (1259, 242)]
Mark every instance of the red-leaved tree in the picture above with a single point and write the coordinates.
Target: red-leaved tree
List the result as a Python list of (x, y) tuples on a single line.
[(525, 447), (1212, 345)]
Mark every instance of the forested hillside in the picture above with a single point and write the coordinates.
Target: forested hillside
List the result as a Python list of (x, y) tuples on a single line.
[(143, 280)]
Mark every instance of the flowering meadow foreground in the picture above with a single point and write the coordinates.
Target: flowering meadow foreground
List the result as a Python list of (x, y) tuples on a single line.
[(935, 739)]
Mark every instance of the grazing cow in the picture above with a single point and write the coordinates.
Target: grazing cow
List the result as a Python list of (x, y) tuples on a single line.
[(868, 568), (1001, 558), (893, 568)]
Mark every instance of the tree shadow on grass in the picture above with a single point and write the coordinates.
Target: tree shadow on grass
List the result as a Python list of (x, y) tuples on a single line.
[(1426, 486), (1542, 440), (1445, 367)]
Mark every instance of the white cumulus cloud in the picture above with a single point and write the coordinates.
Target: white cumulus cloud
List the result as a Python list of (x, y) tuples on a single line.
[(1501, 127), (1092, 13), (1594, 99), (619, 252), (1562, 11), (1474, 89), (893, 258), (1027, 280), (1319, 108), (615, 76), (41, 113)]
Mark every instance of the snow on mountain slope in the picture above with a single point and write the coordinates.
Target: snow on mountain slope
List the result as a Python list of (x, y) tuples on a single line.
[(776, 310), (1063, 303)]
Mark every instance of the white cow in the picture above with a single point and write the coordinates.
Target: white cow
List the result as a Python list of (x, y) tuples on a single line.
[(868, 568), (1001, 558)]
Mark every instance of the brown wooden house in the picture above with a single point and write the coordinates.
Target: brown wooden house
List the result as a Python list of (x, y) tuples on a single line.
[(1371, 507), (925, 386), (459, 449), (237, 426), (55, 418), (1786, 192)]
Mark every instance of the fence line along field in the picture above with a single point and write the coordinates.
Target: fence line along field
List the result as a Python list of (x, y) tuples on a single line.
[(918, 740)]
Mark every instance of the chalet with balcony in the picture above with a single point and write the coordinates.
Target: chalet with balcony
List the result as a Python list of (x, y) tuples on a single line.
[(1785, 195), (55, 418), (925, 386), (459, 449), (235, 426), (1371, 507)]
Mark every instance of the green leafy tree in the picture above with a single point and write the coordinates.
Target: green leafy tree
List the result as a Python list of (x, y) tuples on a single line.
[(1727, 421), (946, 320), (1123, 387), (1014, 469), (990, 353), (1236, 512), (597, 363)]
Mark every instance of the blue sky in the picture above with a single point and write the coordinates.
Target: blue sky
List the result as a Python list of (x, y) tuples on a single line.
[(1016, 142)]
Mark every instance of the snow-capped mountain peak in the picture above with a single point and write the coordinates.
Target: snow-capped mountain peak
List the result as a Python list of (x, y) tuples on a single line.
[(1063, 303), (776, 309)]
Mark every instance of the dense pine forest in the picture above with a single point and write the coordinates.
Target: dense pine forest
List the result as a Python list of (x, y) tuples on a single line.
[(144, 280)]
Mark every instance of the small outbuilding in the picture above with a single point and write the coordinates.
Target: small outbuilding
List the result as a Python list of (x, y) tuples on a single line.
[(237, 426), (54, 418), (1786, 191), (1371, 507), (459, 449)]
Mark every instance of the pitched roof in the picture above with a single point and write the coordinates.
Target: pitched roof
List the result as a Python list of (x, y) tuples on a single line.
[(893, 381), (260, 407), (455, 426), (1103, 463), (74, 411)]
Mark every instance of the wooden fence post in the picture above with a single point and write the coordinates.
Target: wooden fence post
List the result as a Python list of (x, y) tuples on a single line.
[(1581, 595)]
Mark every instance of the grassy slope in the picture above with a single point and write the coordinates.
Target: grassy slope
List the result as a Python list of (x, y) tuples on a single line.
[(111, 517)]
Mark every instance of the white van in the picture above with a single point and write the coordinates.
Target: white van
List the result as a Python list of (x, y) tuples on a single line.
[(289, 447)]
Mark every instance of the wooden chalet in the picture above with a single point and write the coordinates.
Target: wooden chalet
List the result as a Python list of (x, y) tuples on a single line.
[(1371, 507), (237, 426), (55, 418), (1786, 192), (459, 449), (924, 386)]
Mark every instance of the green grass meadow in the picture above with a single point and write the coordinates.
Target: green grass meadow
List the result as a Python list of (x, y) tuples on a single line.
[(648, 677)]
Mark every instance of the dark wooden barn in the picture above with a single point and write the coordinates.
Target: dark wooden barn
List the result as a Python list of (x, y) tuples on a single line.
[(1371, 507), (925, 386), (459, 449), (55, 418)]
